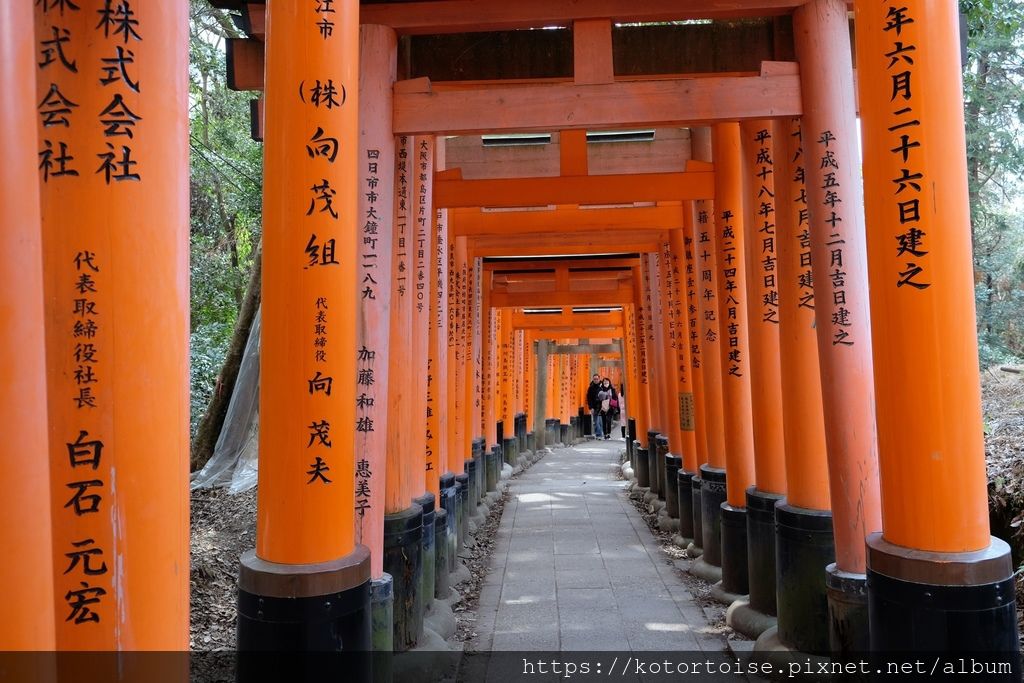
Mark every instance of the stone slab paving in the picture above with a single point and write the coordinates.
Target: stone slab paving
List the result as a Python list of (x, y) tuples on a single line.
[(576, 568)]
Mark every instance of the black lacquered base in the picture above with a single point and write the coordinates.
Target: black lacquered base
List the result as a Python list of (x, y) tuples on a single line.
[(954, 602), (712, 495), (761, 549), (804, 547), (463, 513), (661, 445), (426, 501), (294, 609), (492, 461), (684, 496), (696, 486), (672, 465), (734, 550), (643, 468), (403, 560)]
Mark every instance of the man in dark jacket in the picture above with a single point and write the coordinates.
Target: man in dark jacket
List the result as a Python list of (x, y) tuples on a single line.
[(594, 404)]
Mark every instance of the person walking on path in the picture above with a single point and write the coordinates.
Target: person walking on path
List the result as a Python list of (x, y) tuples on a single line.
[(594, 404), (609, 402)]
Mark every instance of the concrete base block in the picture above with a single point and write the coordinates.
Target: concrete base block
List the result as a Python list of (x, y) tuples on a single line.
[(681, 542), (440, 619), (769, 648), (719, 594), (640, 492), (506, 471), (693, 551), (743, 618), (705, 571), (666, 523), (627, 471), (460, 574)]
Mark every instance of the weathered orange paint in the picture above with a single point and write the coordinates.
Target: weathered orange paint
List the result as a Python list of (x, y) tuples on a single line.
[(731, 233), (807, 484), (763, 294), (29, 622), (822, 38), (931, 450), (115, 255)]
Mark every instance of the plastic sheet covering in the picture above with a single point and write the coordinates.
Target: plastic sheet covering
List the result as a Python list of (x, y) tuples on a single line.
[(234, 460)]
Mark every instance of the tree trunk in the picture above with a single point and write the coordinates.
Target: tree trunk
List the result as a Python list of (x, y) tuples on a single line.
[(213, 419)]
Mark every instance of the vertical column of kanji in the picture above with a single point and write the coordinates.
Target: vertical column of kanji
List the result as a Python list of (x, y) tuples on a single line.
[(672, 459), (683, 364), (801, 601), (491, 361), (643, 370), (765, 375), (112, 98), (378, 55), (839, 267), (931, 452), (421, 155), (667, 337), (647, 288), (30, 615), (711, 477), (455, 368), (732, 233), (474, 271), (305, 546), (631, 401), (403, 520), (529, 382), (517, 383), (462, 348), (688, 503), (507, 398), (449, 461)]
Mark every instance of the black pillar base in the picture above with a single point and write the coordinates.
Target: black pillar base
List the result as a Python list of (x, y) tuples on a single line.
[(475, 494), (712, 495), (531, 441), (508, 451), (294, 609), (672, 465), (441, 546), (661, 448), (631, 437), (684, 498), (734, 550), (563, 434), (953, 602), (462, 482), (761, 549), (803, 548), (652, 462), (452, 505), (643, 467), (696, 483), (847, 611), (478, 450), (521, 431), (426, 501), (493, 460), (403, 559)]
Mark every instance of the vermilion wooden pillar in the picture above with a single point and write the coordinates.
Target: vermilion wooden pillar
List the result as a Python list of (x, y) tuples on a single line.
[(112, 162), (437, 272), (666, 335), (839, 266), (378, 56), (708, 292), (30, 614), (732, 232), (935, 544), (685, 401), (761, 245), (305, 547)]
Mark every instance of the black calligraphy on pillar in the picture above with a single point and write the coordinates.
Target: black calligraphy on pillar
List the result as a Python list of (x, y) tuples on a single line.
[(692, 309), (732, 292), (120, 27), (324, 10), (805, 279), (764, 205), (833, 225), (910, 238)]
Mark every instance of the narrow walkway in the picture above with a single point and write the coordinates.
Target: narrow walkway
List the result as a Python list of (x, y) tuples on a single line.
[(576, 568)]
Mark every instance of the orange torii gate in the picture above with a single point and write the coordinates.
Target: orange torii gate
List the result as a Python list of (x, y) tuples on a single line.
[(895, 555)]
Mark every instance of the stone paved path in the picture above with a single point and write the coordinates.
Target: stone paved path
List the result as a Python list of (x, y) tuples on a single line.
[(576, 568)]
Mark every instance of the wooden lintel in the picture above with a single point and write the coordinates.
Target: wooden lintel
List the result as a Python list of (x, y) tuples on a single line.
[(459, 16), (575, 349), (605, 189), (254, 20), (544, 264), (608, 242), (609, 297), (245, 64), (669, 102), (474, 222), (567, 334), (559, 320)]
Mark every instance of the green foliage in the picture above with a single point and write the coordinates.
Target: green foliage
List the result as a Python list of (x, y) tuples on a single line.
[(993, 82), (226, 198)]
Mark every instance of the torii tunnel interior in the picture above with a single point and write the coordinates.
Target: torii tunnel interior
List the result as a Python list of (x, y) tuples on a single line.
[(751, 216)]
